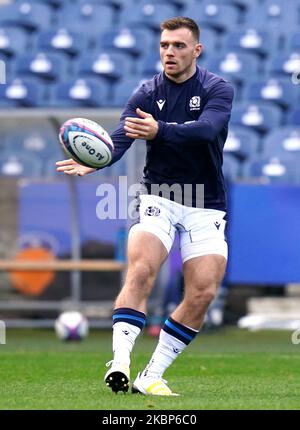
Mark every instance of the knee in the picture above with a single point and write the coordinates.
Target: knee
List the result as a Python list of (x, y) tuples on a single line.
[(141, 274), (208, 294), (203, 295)]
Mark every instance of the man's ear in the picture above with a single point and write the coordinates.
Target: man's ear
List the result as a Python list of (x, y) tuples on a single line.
[(198, 50)]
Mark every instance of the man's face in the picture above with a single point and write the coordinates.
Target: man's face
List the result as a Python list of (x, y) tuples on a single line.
[(178, 52)]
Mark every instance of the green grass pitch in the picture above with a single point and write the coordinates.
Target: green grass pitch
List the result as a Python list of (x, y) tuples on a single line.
[(228, 369)]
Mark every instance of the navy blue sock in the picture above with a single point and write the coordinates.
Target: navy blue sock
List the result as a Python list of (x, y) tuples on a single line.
[(129, 316), (179, 331)]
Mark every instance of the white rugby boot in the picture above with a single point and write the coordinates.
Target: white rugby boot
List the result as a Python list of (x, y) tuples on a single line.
[(151, 386), (117, 377)]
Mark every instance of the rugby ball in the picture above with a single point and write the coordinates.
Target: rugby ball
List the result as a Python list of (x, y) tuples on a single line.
[(71, 325), (86, 142)]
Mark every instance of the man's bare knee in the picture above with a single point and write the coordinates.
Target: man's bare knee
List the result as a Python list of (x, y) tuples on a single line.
[(138, 285), (200, 296), (140, 274)]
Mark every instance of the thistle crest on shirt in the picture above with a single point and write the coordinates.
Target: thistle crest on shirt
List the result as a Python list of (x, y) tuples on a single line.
[(195, 103)]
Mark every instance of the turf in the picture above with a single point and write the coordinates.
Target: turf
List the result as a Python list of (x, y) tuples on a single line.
[(228, 369)]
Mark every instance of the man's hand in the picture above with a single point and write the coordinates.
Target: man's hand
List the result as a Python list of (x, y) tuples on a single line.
[(141, 128), (71, 167)]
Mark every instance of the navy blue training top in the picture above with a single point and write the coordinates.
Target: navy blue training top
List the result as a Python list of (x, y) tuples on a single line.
[(193, 121)]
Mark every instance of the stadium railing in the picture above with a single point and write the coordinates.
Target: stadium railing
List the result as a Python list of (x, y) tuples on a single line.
[(62, 265)]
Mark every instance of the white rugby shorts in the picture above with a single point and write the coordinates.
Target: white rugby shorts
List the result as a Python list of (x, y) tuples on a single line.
[(201, 231)]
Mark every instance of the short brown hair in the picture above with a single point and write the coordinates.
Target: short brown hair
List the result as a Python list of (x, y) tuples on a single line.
[(181, 22)]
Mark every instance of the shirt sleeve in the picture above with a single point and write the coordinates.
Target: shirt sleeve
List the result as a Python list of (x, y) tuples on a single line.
[(214, 117), (120, 140)]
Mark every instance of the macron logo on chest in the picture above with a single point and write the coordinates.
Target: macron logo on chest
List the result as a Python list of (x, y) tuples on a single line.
[(160, 103)]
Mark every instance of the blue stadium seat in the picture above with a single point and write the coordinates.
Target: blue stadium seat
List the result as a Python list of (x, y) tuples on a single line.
[(243, 5), (16, 164), (123, 90), (112, 3), (116, 4), (272, 15), (209, 40), (282, 140), (13, 41), (110, 65), (241, 142), (45, 65), (293, 40), (279, 91), (89, 92), (234, 66), (231, 168), (293, 117), (23, 92), (177, 3), (3, 140), (39, 139), (4, 104), (146, 15), (284, 64), (278, 169), (30, 16), (237, 91), (127, 40), (220, 17), (53, 3), (150, 64), (261, 42), (62, 40), (86, 18), (259, 116)]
